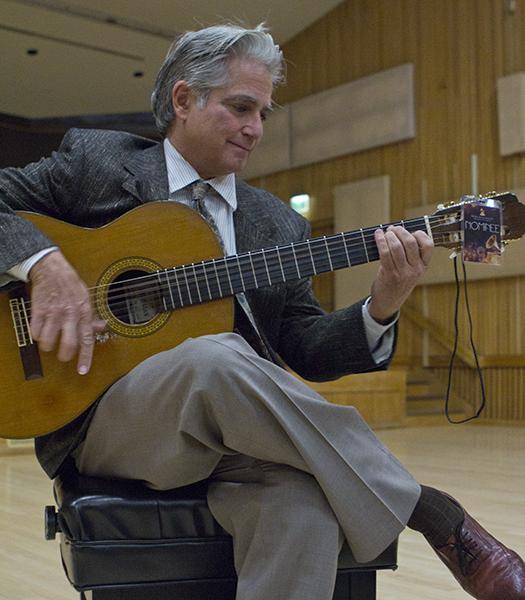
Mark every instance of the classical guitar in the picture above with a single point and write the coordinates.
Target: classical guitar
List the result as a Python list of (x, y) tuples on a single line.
[(153, 296)]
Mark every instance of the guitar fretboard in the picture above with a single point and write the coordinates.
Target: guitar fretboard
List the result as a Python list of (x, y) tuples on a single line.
[(213, 279)]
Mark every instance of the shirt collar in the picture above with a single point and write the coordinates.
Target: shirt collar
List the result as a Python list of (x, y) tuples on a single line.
[(182, 174)]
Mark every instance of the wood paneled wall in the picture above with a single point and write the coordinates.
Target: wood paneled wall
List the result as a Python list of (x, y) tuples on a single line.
[(459, 49)]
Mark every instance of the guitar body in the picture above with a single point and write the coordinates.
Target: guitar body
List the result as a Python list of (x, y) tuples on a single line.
[(144, 240)]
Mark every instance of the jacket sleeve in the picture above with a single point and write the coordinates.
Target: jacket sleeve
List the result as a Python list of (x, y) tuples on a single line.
[(46, 187), (322, 346)]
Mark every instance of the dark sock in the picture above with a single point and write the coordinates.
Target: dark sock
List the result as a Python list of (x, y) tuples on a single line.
[(436, 516)]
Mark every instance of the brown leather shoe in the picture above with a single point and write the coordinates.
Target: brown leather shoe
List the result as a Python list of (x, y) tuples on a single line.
[(484, 567)]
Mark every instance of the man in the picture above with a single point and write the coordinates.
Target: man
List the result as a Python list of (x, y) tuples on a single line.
[(290, 475)]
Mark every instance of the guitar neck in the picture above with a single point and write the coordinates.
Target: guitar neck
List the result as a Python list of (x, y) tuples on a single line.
[(218, 278)]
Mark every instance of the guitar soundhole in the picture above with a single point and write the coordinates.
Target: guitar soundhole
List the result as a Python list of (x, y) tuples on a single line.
[(134, 297)]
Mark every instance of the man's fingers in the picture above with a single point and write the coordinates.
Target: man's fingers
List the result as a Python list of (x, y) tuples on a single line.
[(49, 332), (36, 324), (384, 249), (406, 248), (426, 246), (87, 345), (68, 340), (397, 247), (62, 311)]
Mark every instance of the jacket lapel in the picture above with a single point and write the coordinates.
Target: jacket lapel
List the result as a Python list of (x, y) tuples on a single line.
[(147, 178), (250, 221)]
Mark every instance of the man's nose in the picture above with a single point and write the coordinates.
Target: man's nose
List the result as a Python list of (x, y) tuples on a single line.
[(254, 127)]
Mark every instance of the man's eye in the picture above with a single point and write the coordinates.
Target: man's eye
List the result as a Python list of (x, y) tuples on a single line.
[(241, 108)]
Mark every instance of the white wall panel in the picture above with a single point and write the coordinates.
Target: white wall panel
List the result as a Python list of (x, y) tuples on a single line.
[(363, 203), (511, 113), (368, 112)]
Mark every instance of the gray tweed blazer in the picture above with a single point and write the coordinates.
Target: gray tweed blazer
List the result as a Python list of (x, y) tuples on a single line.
[(96, 176)]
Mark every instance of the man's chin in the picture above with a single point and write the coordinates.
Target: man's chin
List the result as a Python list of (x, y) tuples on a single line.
[(238, 165)]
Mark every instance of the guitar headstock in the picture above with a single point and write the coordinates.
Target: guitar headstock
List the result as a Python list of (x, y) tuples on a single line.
[(446, 221)]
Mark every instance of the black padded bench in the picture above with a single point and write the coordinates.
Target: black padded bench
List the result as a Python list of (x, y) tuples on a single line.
[(120, 540)]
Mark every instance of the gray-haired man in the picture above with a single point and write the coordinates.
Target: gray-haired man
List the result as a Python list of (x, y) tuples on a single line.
[(291, 475)]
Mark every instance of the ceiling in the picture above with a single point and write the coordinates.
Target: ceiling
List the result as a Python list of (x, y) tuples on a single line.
[(91, 57)]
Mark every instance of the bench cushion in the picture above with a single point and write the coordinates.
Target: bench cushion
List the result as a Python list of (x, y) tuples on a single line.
[(121, 532)]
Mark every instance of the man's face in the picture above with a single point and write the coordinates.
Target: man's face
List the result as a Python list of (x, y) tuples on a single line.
[(218, 138)]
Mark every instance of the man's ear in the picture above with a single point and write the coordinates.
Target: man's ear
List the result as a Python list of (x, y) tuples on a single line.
[(181, 98)]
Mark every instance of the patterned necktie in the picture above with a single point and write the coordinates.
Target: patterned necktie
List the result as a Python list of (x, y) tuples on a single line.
[(199, 189)]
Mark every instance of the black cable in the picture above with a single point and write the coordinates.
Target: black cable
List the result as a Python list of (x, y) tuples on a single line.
[(454, 350)]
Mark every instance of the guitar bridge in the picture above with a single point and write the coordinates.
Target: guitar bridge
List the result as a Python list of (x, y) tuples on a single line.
[(29, 355)]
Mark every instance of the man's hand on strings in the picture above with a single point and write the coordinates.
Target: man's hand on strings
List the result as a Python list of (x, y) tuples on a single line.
[(61, 311), (403, 257)]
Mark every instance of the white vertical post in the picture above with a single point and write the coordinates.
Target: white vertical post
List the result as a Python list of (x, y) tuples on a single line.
[(474, 173)]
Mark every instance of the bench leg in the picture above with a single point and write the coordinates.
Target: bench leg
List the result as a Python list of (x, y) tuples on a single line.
[(360, 585), (363, 586)]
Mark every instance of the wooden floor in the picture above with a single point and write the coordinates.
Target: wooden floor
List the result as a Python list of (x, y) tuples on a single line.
[(484, 467)]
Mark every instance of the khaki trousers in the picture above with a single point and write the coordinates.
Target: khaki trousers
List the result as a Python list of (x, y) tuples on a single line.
[(291, 473)]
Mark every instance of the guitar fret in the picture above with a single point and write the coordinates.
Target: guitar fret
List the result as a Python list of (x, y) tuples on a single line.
[(273, 264), (172, 278), (328, 253), (337, 253), (210, 279), (201, 281), (178, 286), (263, 253), (190, 298), (356, 249), (321, 255), (305, 259), (228, 275), (195, 282), (218, 278), (253, 270), (311, 256), (295, 259), (349, 262), (210, 297), (236, 275), (245, 264), (260, 271), (240, 271), (372, 252), (364, 244), (159, 277), (287, 266), (280, 262)]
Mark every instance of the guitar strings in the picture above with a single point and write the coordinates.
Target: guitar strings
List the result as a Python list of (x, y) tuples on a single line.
[(258, 258), (190, 278), (191, 288), (303, 245)]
